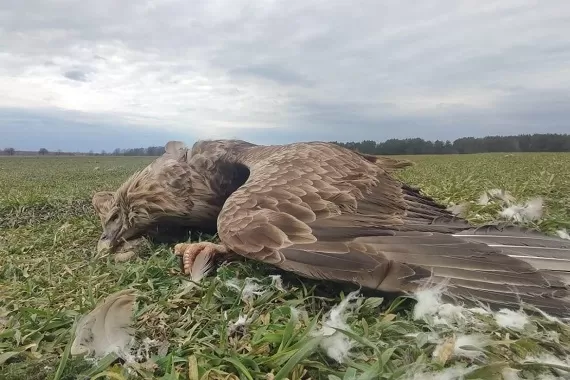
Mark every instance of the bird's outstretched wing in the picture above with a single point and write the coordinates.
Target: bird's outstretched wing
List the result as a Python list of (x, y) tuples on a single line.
[(325, 212)]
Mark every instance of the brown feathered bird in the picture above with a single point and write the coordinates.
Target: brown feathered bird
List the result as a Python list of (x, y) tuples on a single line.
[(325, 212)]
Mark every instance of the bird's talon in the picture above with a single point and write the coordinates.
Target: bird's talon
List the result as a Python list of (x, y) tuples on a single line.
[(191, 251)]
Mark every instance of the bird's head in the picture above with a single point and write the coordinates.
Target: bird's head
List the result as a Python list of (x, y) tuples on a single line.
[(161, 192)]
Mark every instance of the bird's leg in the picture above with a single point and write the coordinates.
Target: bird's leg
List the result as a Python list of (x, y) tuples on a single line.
[(198, 258)]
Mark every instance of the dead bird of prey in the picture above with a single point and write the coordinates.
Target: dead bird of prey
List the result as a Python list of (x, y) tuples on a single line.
[(328, 213)]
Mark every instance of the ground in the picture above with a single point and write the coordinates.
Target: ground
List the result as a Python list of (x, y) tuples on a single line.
[(50, 275)]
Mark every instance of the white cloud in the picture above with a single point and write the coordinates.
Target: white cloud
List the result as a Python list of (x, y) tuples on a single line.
[(141, 87), (216, 68)]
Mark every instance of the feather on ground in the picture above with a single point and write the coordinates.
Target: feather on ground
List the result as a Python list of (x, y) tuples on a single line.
[(106, 328)]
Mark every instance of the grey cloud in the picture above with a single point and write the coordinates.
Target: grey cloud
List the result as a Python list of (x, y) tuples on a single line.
[(76, 75), (272, 72), (74, 132), (520, 112)]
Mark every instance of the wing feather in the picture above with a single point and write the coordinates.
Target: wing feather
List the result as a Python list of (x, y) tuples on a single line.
[(325, 212)]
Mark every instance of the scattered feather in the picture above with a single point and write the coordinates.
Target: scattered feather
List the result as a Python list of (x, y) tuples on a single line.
[(563, 234), (239, 325), (502, 195), (470, 346), (451, 312), (202, 265), (106, 329), (459, 209), (428, 302), (250, 288), (480, 310), (336, 344), (498, 194), (511, 319), (463, 346), (529, 211), (277, 282), (483, 199), (430, 308), (294, 313), (444, 350)]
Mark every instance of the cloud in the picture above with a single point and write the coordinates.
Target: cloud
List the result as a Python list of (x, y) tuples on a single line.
[(275, 71), (271, 72), (77, 75), (73, 131)]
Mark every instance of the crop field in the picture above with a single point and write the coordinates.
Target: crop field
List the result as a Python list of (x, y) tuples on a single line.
[(246, 320)]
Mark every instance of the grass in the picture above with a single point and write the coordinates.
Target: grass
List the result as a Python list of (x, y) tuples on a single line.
[(50, 276)]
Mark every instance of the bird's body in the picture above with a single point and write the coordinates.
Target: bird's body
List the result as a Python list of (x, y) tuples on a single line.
[(325, 212)]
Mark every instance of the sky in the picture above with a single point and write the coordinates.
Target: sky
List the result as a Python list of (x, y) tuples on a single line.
[(92, 75)]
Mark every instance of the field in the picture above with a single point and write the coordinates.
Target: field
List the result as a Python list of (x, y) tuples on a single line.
[(50, 275)]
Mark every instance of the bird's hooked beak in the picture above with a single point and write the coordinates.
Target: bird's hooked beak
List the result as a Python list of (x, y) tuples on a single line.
[(107, 243), (103, 244)]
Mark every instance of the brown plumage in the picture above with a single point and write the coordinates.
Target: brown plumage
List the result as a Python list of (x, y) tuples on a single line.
[(325, 212)]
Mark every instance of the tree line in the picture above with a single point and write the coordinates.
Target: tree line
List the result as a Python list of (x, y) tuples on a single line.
[(148, 151), (545, 142), (538, 142)]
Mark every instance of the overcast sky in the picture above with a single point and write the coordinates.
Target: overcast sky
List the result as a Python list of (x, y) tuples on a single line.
[(80, 75)]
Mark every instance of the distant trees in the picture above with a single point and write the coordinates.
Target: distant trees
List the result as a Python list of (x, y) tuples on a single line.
[(521, 143), (148, 151), (546, 142)]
